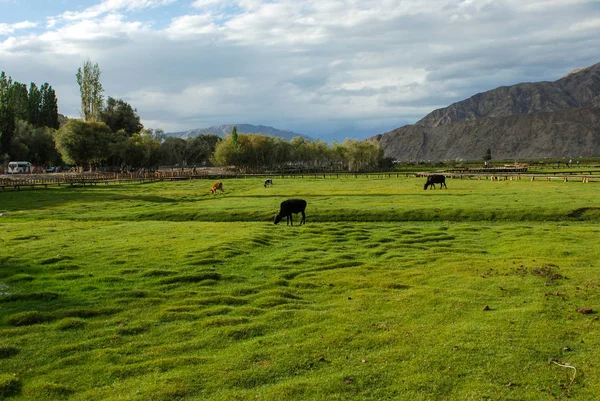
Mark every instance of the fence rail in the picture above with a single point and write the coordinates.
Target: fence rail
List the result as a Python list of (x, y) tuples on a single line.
[(32, 181)]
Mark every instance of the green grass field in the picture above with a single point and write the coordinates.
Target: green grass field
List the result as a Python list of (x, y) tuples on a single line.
[(163, 291)]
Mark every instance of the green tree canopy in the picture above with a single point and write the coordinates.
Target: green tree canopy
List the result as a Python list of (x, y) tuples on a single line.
[(34, 144), (253, 152), (91, 91), (84, 143), (48, 107), (199, 149), (118, 114), (7, 115), (142, 149)]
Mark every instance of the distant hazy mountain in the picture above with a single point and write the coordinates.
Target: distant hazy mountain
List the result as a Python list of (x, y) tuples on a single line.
[(224, 130), (541, 119)]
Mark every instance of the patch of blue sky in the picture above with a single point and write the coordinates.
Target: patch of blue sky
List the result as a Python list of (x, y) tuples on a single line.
[(225, 14), (16, 11)]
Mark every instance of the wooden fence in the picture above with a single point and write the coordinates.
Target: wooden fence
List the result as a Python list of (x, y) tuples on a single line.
[(32, 181)]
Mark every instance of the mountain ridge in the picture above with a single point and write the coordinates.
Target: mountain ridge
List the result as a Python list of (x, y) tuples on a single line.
[(539, 119), (224, 130)]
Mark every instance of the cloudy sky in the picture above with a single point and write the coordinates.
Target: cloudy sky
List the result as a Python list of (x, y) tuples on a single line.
[(325, 68)]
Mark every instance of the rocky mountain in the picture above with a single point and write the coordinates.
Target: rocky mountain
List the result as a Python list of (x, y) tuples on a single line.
[(543, 119), (224, 130)]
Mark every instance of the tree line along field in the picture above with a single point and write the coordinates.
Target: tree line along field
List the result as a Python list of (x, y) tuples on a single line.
[(485, 291)]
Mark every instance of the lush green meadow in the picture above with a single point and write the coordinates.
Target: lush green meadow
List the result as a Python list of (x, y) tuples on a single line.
[(163, 291)]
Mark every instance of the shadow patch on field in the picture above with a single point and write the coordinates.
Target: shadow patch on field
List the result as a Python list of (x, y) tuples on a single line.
[(10, 385), (63, 267), (69, 276), (158, 273), (131, 330), (129, 271), (246, 333), (427, 238), (216, 300), (8, 351), (240, 292), (58, 259), (204, 262), (262, 240), (87, 312), (20, 278), (34, 296), (26, 238), (394, 286), (333, 266), (191, 278), (49, 391), (585, 213), (111, 279), (29, 318), (225, 321), (137, 294), (70, 323)]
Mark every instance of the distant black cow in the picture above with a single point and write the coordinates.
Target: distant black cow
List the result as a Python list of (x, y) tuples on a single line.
[(291, 206), (268, 182), (435, 179)]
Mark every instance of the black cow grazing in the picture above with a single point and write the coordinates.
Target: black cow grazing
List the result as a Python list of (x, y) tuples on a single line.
[(291, 206), (435, 179), (268, 182)]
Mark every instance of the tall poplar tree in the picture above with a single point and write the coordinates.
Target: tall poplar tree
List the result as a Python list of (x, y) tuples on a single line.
[(91, 90), (7, 115), (48, 107), (35, 100)]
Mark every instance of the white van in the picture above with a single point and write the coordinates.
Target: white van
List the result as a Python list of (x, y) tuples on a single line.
[(19, 168)]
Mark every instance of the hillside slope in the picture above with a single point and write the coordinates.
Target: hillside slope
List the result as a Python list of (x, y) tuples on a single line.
[(545, 119), (224, 130)]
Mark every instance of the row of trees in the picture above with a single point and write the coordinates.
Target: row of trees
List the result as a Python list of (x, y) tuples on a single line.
[(251, 152), (111, 134), (24, 114), (95, 144)]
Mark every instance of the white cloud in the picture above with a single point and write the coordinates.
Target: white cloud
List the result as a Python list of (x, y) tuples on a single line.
[(206, 3), (310, 66), (6, 29), (111, 6), (190, 26), (592, 24)]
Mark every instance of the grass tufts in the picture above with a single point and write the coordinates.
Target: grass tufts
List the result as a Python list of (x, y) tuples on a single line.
[(87, 312), (70, 323), (34, 296), (69, 276), (225, 321), (219, 300), (7, 351), (50, 391), (131, 330), (10, 385), (157, 273), (66, 267), (51, 261), (30, 318), (270, 301), (191, 278), (20, 278), (247, 332), (204, 262)]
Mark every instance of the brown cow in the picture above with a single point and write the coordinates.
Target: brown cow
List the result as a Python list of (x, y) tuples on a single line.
[(216, 186)]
